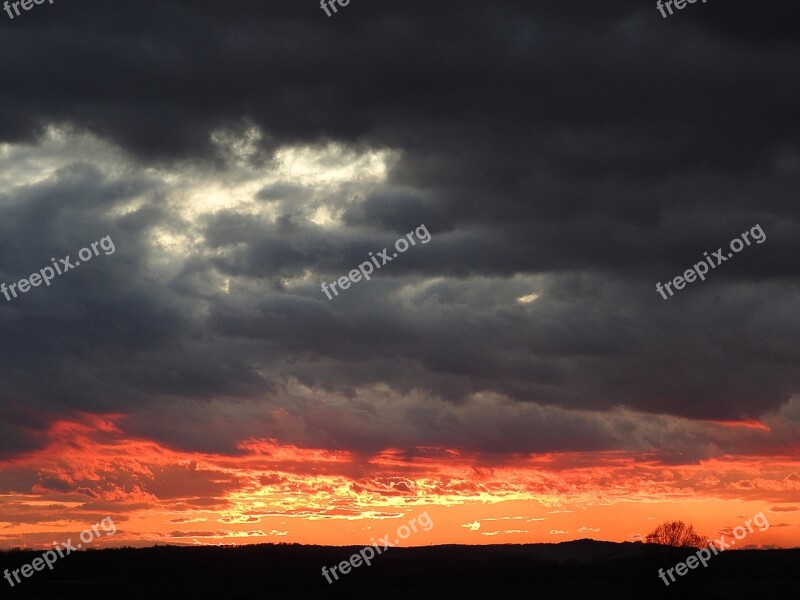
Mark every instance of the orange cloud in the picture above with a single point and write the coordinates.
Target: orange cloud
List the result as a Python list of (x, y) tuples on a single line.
[(90, 469)]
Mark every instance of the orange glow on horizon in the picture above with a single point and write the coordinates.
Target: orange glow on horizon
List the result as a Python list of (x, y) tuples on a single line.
[(271, 492)]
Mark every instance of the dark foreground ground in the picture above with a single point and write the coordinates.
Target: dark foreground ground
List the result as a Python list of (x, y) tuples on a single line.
[(582, 569)]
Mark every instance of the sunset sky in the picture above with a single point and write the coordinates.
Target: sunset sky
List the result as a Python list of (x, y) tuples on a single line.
[(518, 377)]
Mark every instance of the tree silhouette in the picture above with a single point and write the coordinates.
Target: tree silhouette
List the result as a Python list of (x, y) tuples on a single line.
[(676, 533)]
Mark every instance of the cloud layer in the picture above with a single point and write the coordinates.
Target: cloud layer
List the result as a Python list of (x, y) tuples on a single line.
[(564, 159)]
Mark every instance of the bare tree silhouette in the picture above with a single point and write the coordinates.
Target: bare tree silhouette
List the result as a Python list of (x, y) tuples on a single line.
[(676, 533)]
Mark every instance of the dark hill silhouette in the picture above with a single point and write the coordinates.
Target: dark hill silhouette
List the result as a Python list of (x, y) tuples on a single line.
[(579, 569)]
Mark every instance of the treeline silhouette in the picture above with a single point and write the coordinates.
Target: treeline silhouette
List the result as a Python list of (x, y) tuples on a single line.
[(580, 569)]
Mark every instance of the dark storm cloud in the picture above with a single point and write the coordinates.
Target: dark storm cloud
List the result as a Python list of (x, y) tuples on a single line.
[(582, 151)]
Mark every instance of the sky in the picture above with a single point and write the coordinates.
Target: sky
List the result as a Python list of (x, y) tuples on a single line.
[(517, 376)]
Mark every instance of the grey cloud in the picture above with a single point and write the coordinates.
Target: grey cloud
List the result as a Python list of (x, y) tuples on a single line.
[(581, 153)]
